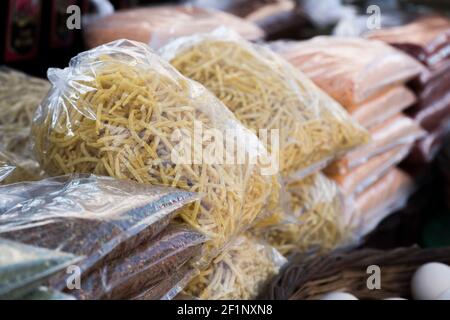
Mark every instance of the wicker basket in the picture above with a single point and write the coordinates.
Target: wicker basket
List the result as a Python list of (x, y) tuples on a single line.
[(309, 278)]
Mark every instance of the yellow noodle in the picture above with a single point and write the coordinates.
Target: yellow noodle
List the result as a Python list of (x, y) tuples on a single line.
[(130, 138), (265, 92), (239, 272)]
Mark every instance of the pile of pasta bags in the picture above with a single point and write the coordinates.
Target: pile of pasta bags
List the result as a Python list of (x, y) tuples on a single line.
[(264, 92), (121, 110), (373, 89)]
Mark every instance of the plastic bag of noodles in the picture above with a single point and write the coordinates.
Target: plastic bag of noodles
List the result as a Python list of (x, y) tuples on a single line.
[(312, 217), (266, 93), (20, 95), (238, 273), (121, 110), (13, 169)]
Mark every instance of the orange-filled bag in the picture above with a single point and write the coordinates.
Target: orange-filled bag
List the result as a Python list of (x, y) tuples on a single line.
[(159, 24), (398, 130), (383, 106), (351, 70), (389, 194), (360, 178)]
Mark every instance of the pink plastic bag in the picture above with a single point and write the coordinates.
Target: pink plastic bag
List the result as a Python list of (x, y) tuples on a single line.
[(351, 70), (158, 25)]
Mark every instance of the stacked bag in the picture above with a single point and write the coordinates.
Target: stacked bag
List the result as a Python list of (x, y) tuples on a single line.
[(427, 40), (369, 79), (264, 92)]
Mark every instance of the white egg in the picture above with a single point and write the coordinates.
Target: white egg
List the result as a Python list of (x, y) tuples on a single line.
[(445, 295), (430, 281), (395, 298), (338, 296)]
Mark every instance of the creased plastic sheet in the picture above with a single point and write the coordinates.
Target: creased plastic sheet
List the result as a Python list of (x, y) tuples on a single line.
[(351, 70), (239, 272), (398, 130), (267, 94), (24, 268), (95, 217), (144, 267), (121, 110), (158, 25), (311, 220)]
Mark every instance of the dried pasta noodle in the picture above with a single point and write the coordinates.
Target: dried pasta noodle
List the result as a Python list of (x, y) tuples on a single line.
[(125, 103), (314, 207), (19, 97), (237, 273), (264, 92)]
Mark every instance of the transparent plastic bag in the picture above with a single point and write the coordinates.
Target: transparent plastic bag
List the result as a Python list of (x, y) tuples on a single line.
[(121, 110), (104, 217), (427, 39), (20, 95), (170, 286), (24, 268), (389, 194), (265, 93), (383, 106), (351, 70), (15, 169), (312, 217), (361, 177), (238, 273), (158, 25), (398, 130), (145, 266), (44, 293)]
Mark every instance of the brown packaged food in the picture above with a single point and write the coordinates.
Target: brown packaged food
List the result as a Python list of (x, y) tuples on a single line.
[(398, 130), (145, 266), (359, 178), (427, 39), (159, 24), (104, 217), (351, 70)]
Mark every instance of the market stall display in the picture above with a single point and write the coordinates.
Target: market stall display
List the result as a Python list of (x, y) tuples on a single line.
[(121, 110)]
